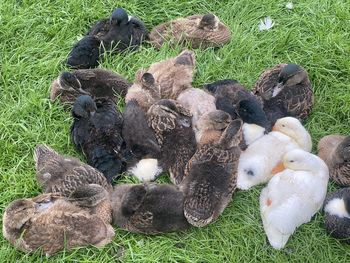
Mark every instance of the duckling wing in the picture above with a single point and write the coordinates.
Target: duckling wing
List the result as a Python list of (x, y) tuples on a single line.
[(100, 28), (139, 31)]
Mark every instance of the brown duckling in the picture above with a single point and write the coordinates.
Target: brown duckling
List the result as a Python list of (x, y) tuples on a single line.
[(210, 177), (334, 150), (98, 83), (173, 75), (52, 223), (148, 208), (64, 174), (337, 214), (196, 30), (286, 91)]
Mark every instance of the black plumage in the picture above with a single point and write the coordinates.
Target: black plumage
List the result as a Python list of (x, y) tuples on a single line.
[(96, 131)]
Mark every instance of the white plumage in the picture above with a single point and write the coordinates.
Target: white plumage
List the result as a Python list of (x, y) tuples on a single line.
[(146, 170)]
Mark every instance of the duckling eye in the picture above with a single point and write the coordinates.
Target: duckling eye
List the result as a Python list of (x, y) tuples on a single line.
[(292, 161), (283, 125)]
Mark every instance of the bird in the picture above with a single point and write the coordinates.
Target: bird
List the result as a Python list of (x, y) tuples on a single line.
[(256, 163), (63, 174), (293, 195), (148, 208), (210, 177), (97, 132), (198, 101), (119, 32), (86, 53), (51, 222), (173, 128), (334, 150), (199, 31), (337, 214), (286, 91), (173, 75), (98, 83), (144, 91)]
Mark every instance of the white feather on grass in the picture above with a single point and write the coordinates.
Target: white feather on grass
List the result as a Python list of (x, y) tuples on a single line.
[(289, 6), (266, 24)]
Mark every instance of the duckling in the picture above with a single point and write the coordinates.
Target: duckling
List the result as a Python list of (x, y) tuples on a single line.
[(52, 223), (210, 177), (198, 102), (64, 174), (286, 91), (337, 214), (86, 53), (148, 208), (96, 131), (172, 125), (335, 151), (120, 32), (173, 75), (200, 31), (293, 196), (98, 83), (258, 160), (144, 91)]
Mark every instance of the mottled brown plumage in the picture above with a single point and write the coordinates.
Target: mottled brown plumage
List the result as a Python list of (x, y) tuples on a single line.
[(173, 75), (334, 150), (210, 177), (148, 208), (51, 222), (172, 125), (98, 83), (64, 174), (286, 91), (199, 31)]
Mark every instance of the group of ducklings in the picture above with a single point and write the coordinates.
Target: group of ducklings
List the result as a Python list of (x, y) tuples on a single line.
[(210, 140)]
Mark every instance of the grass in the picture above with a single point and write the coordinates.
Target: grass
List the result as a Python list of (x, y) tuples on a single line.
[(36, 37)]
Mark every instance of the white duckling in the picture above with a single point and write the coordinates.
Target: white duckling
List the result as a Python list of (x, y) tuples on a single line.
[(293, 196), (257, 161)]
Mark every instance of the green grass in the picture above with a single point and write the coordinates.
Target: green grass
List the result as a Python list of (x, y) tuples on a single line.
[(36, 37)]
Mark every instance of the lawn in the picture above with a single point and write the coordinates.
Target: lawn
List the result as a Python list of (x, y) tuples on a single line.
[(36, 37)]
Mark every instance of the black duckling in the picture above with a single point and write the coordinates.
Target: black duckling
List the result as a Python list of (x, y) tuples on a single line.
[(85, 54), (334, 150), (172, 125), (148, 208), (173, 75), (120, 32), (210, 177), (286, 91), (64, 174), (98, 83), (52, 223), (337, 214), (199, 31), (96, 131)]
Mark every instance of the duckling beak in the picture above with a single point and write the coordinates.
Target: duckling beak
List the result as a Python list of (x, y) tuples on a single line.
[(278, 168)]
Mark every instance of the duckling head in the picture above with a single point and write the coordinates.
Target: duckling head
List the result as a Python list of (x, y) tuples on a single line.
[(251, 112), (119, 17), (225, 104), (209, 22), (42, 153), (17, 214), (187, 58), (69, 82), (214, 120), (342, 153), (293, 128), (292, 74), (213, 87), (84, 107)]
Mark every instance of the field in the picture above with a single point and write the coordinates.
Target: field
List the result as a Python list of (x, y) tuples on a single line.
[(36, 37)]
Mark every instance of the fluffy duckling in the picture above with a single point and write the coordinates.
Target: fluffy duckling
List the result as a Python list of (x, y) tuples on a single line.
[(52, 223), (144, 91), (173, 75), (258, 160), (197, 30), (198, 102), (148, 208), (293, 196), (335, 151), (286, 91), (96, 131), (64, 174), (98, 83), (120, 31), (337, 214), (172, 125), (210, 177)]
